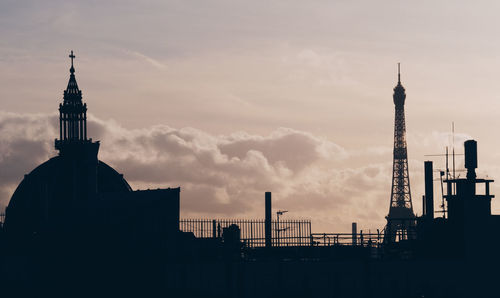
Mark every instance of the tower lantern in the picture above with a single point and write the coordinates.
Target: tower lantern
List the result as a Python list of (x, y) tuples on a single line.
[(72, 114)]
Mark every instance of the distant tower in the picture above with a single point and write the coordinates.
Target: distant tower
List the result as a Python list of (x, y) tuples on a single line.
[(401, 217)]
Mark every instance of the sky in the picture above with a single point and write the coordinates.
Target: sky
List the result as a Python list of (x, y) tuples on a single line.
[(229, 99)]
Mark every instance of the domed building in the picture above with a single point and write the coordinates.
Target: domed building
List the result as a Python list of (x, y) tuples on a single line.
[(75, 193)]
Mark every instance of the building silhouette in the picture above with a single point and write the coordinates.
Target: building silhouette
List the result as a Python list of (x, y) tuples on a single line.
[(75, 228), (400, 218), (76, 205)]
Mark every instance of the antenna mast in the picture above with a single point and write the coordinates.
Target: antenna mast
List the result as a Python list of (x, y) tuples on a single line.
[(453, 144)]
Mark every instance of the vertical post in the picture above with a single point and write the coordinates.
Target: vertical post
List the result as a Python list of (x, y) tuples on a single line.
[(252, 237), (278, 229), (246, 229), (354, 233), (300, 233), (310, 234), (294, 233), (429, 190), (289, 233), (268, 218), (214, 229), (263, 231)]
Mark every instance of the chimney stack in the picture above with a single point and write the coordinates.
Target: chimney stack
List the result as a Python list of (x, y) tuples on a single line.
[(267, 224), (429, 190), (471, 158)]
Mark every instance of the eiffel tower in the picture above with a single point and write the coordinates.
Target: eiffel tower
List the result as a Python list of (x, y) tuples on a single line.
[(401, 219)]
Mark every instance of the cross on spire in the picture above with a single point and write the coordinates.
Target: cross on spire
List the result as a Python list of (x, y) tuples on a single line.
[(72, 56)]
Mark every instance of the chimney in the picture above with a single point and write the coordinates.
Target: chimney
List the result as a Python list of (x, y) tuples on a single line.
[(429, 190), (471, 158), (267, 223)]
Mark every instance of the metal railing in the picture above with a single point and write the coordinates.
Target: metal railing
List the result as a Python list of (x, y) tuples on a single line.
[(292, 233), (347, 239), (252, 232)]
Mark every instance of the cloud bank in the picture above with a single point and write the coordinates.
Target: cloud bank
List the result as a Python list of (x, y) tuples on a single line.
[(224, 175)]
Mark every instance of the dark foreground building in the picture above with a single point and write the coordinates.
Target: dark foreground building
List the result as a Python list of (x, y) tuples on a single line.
[(74, 222), (75, 228)]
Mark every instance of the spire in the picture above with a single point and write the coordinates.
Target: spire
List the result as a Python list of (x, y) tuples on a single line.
[(399, 70), (399, 91), (72, 92)]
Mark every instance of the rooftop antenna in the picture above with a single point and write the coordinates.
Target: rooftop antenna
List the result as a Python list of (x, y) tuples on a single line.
[(453, 148), (441, 174), (447, 178), (447, 173), (278, 227), (447, 166)]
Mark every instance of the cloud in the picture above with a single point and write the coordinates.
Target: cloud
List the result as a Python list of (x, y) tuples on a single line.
[(147, 59), (220, 175), (25, 142)]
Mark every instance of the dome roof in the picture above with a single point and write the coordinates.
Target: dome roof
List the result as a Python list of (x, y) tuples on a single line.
[(51, 197), (48, 191)]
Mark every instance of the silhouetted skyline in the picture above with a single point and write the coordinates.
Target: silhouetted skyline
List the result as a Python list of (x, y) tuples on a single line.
[(323, 71), (244, 149)]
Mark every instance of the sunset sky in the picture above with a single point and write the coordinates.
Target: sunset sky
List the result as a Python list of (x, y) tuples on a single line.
[(229, 99)]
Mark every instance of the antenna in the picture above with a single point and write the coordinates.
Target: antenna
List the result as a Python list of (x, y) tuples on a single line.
[(278, 227), (447, 173), (447, 167), (453, 144), (281, 212), (442, 195), (447, 178), (399, 72)]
